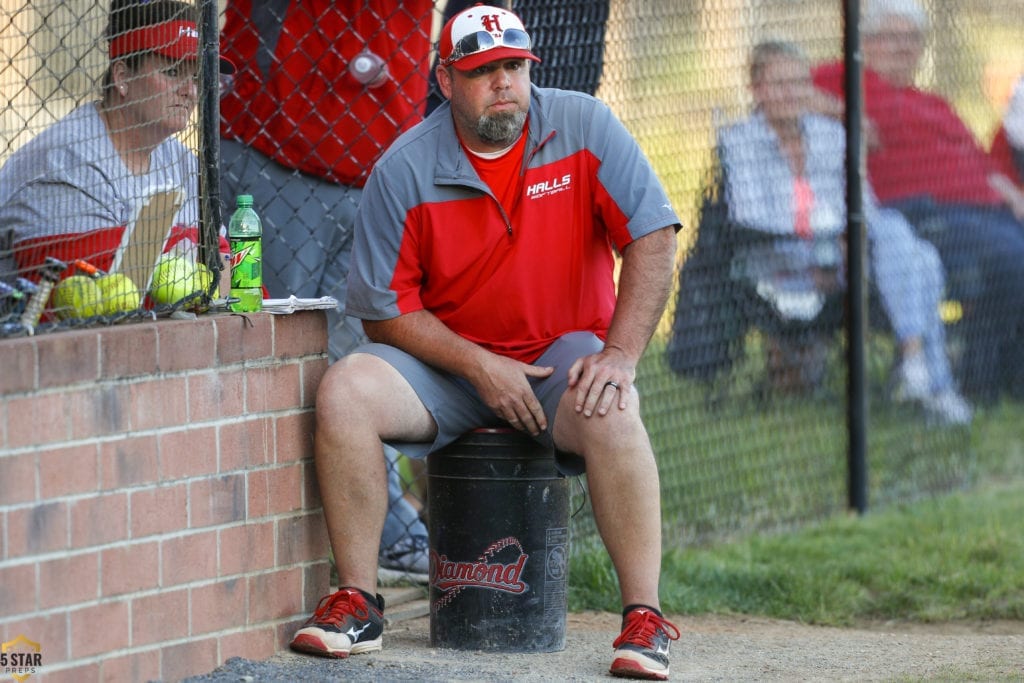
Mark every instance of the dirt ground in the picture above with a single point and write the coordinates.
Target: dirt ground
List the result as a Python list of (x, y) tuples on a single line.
[(712, 648)]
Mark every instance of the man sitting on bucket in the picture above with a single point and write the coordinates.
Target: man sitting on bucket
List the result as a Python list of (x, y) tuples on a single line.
[(483, 273)]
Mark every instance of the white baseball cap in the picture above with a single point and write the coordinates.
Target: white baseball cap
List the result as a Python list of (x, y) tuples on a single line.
[(482, 34)]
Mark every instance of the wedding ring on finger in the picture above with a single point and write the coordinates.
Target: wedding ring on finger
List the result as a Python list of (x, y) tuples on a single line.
[(611, 384)]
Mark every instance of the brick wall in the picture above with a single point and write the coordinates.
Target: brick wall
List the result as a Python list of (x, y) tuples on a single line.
[(158, 504)]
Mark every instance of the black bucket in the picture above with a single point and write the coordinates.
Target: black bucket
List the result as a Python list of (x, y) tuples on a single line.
[(499, 544)]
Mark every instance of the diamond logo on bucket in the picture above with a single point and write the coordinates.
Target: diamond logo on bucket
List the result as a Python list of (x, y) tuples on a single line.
[(487, 572)]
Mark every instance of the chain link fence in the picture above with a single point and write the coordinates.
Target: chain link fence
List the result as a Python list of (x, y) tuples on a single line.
[(744, 385)]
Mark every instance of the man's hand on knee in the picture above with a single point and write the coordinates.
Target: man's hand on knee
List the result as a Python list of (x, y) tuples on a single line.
[(602, 380), (505, 388)]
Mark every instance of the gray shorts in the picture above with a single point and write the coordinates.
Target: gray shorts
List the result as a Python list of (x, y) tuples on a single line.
[(457, 407)]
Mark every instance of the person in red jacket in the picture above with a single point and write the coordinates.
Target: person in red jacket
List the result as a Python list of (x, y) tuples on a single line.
[(322, 88), (924, 161)]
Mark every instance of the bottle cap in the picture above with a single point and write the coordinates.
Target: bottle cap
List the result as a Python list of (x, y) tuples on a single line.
[(369, 69), (244, 200)]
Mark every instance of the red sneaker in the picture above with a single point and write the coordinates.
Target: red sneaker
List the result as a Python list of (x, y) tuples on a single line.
[(345, 623), (641, 650)]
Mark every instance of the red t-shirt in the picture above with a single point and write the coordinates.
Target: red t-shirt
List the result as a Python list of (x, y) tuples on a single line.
[(926, 149), (502, 174), (293, 98)]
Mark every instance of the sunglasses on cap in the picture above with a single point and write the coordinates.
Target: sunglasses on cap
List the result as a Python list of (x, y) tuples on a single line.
[(481, 41)]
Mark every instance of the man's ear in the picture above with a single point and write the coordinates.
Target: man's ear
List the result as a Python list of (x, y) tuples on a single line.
[(444, 80)]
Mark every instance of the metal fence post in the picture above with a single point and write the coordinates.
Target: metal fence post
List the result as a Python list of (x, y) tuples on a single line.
[(856, 292)]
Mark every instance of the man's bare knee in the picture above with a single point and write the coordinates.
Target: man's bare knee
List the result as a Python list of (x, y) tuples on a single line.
[(590, 437), (361, 391)]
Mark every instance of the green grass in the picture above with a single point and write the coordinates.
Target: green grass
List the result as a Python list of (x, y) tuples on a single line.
[(755, 511), (954, 557), (734, 462), (754, 506)]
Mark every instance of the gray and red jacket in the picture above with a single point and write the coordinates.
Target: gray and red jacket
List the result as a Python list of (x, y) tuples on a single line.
[(430, 234)]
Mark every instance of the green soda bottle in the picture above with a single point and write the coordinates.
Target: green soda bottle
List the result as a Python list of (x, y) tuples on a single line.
[(245, 233)]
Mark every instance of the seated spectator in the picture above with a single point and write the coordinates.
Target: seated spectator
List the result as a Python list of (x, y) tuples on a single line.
[(72, 190), (784, 172), (1007, 149), (434, 250), (926, 163)]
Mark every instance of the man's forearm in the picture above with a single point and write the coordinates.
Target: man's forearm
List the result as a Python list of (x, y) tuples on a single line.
[(424, 336), (644, 284)]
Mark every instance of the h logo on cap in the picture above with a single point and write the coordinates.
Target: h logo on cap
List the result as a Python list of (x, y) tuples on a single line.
[(483, 34), (492, 23)]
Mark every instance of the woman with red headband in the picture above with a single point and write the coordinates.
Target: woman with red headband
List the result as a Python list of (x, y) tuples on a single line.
[(70, 192)]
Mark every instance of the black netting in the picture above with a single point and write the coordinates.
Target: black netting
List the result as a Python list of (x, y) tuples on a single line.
[(745, 382)]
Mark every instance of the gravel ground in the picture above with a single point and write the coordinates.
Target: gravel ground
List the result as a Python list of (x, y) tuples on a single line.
[(712, 648)]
